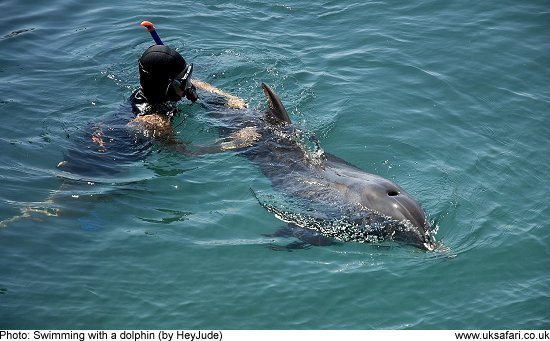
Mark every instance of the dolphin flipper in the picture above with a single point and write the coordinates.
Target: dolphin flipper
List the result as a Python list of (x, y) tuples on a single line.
[(306, 237), (276, 113)]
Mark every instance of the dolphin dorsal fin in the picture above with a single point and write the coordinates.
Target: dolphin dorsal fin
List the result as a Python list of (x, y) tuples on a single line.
[(276, 113)]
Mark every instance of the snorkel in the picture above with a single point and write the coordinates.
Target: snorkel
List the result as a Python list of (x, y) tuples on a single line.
[(151, 28)]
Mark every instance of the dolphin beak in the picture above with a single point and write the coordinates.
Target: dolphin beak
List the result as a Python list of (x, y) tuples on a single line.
[(430, 246)]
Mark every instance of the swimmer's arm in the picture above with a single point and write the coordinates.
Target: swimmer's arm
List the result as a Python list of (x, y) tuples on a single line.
[(159, 128), (246, 137), (233, 102), (182, 148)]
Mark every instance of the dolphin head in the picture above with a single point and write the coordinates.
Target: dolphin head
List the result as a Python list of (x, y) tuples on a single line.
[(389, 211), (388, 199)]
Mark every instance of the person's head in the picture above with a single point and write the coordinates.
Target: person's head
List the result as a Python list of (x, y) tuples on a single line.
[(159, 67)]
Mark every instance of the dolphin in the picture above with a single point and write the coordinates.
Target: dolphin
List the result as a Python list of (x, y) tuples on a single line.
[(351, 204)]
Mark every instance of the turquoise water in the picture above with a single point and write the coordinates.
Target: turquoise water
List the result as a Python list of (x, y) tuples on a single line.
[(449, 100)]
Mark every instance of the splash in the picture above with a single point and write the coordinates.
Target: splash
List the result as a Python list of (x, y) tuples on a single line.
[(357, 224)]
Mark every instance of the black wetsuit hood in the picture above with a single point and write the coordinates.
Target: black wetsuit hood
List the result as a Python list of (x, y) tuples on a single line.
[(158, 67)]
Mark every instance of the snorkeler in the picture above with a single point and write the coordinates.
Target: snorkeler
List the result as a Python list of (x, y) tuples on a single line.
[(165, 79), (127, 136)]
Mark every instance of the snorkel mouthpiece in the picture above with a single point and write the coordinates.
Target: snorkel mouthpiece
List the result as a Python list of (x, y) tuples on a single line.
[(151, 28)]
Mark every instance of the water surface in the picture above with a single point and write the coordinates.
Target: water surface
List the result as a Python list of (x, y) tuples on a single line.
[(450, 101)]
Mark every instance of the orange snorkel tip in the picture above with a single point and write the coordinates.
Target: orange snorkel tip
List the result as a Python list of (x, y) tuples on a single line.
[(148, 25), (151, 28)]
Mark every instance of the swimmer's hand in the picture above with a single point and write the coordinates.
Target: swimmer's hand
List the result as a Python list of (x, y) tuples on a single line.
[(241, 139)]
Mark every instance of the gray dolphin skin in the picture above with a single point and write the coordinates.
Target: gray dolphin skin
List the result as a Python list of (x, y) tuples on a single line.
[(350, 204)]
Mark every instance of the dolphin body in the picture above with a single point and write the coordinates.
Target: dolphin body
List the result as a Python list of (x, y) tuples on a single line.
[(351, 204)]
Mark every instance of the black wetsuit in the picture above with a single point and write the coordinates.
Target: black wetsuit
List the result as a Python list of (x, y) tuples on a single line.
[(107, 147)]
